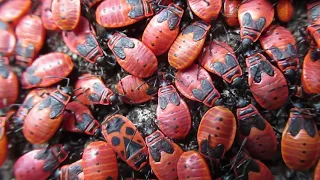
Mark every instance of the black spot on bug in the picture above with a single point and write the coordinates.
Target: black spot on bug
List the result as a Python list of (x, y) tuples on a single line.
[(115, 141), (129, 131)]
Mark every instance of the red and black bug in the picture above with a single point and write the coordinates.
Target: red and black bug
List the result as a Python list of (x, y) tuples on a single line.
[(221, 60), (78, 118), (54, 64), (47, 16), (300, 140), (132, 55), (230, 12), (91, 89), (66, 14), (267, 83), (188, 45), (207, 10), (261, 140), (7, 39), (40, 163), (121, 13), (9, 84), (313, 36), (313, 12), (3, 137), (99, 162), (310, 73), (44, 119), (216, 132), (30, 39), (70, 171), (133, 90), (195, 83), (163, 156), (163, 29), (173, 115), (254, 17), (11, 11), (125, 140), (284, 10), (192, 165)]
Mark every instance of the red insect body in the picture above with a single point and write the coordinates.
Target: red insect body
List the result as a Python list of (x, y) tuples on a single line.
[(216, 132), (30, 101), (254, 17), (267, 83), (188, 45), (133, 90), (280, 45), (317, 171), (285, 10), (91, 89), (54, 64), (125, 140), (195, 83), (11, 11), (44, 119), (3, 138), (7, 39), (88, 48), (132, 55), (250, 168), (313, 12), (78, 118), (207, 10), (121, 13), (230, 12), (66, 13), (222, 61), (99, 162), (47, 16), (261, 140), (310, 73), (30, 39), (173, 115), (163, 29), (313, 36), (192, 165), (163, 156), (9, 84), (40, 163), (72, 171), (300, 140)]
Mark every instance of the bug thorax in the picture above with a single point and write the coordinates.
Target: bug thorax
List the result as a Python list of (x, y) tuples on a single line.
[(67, 90), (242, 102), (246, 43)]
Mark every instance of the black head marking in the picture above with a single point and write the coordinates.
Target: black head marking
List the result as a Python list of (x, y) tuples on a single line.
[(160, 146), (124, 42), (137, 10), (251, 24), (198, 32), (215, 153), (172, 18), (114, 125)]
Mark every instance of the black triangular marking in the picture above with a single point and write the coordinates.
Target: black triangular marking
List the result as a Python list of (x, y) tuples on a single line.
[(131, 147)]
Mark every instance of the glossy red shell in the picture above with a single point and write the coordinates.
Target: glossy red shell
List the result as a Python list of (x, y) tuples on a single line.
[(72, 171), (40, 163), (125, 140), (47, 16), (280, 45), (13, 10), (313, 35), (261, 139), (163, 161), (9, 84), (78, 118), (91, 89), (206, 10), (267, 83), (284, 10), (221, 60), (121, 13), (3, 139), (216, 132), (192, 165), (195, 83), (66, 13), (133, 56), (7, 39), (133, 90), (300, 141), (310, 76), (188, 45), (30, 39), (230, 12), (163, 29), (250, 13), (54, 64), (173, 115), (99, 162)]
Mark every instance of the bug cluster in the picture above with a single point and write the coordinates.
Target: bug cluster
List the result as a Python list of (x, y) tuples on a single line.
[(145, 89)]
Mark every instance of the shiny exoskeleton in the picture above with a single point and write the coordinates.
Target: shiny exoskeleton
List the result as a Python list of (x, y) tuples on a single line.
[(13, 10), (207, 10), (7, 39), (285, 10), (47, 16), (66, 14), (70, 171), (230, 12), (310, 73)]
